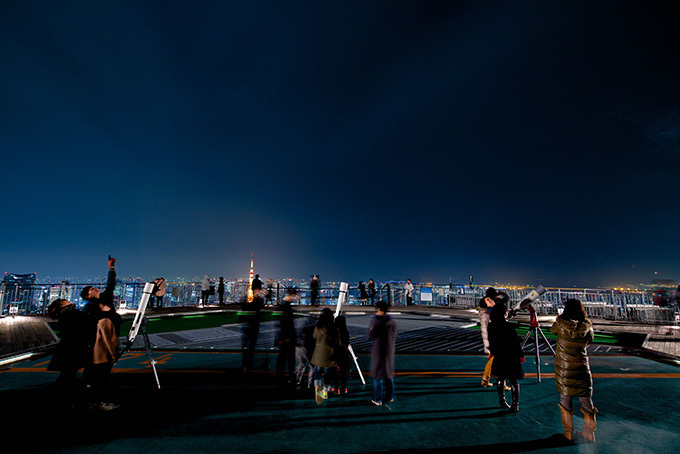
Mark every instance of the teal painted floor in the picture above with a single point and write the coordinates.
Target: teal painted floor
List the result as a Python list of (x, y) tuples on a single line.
[(206, 405)]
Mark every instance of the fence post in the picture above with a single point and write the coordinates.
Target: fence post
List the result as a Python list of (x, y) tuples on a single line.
[(3, 288)]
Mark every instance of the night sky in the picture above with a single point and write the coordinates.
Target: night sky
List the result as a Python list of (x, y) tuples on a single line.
[(520, 142)]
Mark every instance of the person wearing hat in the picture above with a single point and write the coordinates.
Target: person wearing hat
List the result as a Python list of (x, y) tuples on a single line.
[(507, 352), (485, 305)]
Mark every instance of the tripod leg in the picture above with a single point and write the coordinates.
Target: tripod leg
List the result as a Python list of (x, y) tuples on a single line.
[(150, 355), (356, 363), (526, 338), (547, 342), (538, 356)]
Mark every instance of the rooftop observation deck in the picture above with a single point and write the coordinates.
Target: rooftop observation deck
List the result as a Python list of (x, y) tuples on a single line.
[(206, 404)]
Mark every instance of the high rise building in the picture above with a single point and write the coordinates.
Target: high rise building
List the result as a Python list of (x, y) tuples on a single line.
[(16, 294)]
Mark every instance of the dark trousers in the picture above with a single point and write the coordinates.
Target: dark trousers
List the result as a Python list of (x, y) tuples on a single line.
[(286, 357)]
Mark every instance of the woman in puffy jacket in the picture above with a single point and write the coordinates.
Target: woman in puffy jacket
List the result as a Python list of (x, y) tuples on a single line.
[(572, 369)]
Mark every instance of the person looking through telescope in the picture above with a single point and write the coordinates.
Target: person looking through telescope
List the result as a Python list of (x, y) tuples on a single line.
[(572, 369), (507, 353), (486, 304)]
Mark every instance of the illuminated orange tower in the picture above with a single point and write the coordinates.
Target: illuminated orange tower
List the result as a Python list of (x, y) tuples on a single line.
[(250, 282)]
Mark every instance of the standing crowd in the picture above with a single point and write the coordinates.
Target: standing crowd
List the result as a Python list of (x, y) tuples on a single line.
[(322, 351)]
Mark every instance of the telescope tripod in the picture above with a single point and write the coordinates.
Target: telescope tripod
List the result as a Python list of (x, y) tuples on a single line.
[(535, 330), (147, 343)]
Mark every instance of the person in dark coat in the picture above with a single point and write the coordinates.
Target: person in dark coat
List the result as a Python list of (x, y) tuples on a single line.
[(371, 290), (220, 290), (287, 339), (256, 286), (507, 353), (71, 353), (250, 330), (342, 356), (363, 296), (572, 369), (383, 333), (314, 290), (95, 297)]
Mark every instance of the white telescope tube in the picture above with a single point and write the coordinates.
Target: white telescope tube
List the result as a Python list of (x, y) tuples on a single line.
[(342, 297), (137, 322), (532, 296)]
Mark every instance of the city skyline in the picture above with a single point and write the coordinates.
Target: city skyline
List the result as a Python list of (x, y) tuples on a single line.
[(532, 143)]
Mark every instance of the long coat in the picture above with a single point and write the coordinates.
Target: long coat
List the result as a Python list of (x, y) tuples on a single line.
[(506, 351), (383, 332), (72, 350), (572, 368), (323, 351)]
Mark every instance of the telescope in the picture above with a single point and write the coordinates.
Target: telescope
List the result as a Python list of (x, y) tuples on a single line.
[(139, 325), (534, 328), (342, 297), (525, 303)]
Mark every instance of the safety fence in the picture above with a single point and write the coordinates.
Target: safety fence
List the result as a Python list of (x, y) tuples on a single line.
[(637, 306)]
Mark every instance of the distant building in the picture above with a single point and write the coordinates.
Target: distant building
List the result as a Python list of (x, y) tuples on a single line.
[(16, 294)]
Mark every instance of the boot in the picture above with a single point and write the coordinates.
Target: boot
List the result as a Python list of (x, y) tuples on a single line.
[(514, 408), (501, 395), (589, 425), (567, 423)]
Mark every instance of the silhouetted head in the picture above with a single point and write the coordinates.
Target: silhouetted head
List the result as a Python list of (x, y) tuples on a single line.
[(573, 310), (56, 307), (498, 313)]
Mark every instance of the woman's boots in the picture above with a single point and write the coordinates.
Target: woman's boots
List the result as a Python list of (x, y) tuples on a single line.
[(567, 423), (501, 394), (589, 425), (514, 389)]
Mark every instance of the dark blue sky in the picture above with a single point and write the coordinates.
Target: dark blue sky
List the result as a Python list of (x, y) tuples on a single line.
[(525, 142)]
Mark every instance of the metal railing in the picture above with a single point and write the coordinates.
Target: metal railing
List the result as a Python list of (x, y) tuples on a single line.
[(599, 303)]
